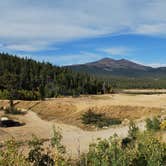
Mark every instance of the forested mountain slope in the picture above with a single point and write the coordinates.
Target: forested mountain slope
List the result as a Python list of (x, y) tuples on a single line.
[(121, 68), (124, 74), (31, 79)]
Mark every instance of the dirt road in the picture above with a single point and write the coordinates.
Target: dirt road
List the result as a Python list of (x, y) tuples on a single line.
[(69, 110), (65, 113), (75, 139)]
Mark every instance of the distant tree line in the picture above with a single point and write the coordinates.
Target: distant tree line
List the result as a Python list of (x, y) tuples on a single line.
[(23, 78), (134, 83)]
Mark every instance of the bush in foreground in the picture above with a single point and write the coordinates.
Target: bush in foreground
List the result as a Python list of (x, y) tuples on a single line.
[(145, 150), (163, 125), (153, 124), (38, 153)]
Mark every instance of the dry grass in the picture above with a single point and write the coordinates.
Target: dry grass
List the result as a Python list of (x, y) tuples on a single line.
[(69, 110), (145, 90), (119, 112), (129, 112), (3, 103)]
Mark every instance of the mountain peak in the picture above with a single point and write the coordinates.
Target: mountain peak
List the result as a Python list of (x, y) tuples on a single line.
[(123, 60), (104, 60), (121, 67), (110, 60), (107, 59), (112, 64)]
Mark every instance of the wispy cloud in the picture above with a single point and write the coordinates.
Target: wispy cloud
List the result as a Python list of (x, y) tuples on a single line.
[(58, 21), (67, 59), (27, 47), (83, 57), (120, 50), (152, 29), (156, 65)]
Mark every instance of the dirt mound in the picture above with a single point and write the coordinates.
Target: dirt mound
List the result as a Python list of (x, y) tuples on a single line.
[(69, 110), (74, 138), (128, 112), (119, 112), (69, 113)]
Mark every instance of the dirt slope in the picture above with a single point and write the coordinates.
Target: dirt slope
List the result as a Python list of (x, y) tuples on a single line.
[(65, 112), (74, 138), (69, 110)]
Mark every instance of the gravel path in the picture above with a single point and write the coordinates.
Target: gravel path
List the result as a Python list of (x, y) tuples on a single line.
[(75, 139)]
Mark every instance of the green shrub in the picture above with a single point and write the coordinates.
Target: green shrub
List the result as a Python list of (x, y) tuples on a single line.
[(147, 151), (56, 141), (12, 156), (156, 124), (153, 151), (163, 125), (20, 95), (153, 124), (133, 130), (28, 95), (53, 155), (4, 94), (36, 154), (149, 124), (99, 120), (12, 110)]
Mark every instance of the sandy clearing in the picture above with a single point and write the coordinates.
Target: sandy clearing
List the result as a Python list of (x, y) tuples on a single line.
[(75, 139), (83, 102), (116, 99), (145, 90), (68, 110)]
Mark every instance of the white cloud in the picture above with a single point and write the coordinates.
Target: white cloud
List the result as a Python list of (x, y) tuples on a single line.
[(50, 21), (25, 47), (121, 50), (83, 57), (156, 65), (67, 59), (154, 29)]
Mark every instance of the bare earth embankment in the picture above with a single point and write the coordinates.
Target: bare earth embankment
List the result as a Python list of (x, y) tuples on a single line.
[(65, 113)]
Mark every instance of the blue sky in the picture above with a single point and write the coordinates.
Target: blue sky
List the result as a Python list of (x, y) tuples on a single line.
[(66, 32)]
